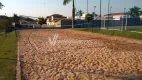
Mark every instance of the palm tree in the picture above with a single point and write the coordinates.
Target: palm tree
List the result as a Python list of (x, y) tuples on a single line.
[(80, 12), (1, 5), (135, 11), (73, 9)]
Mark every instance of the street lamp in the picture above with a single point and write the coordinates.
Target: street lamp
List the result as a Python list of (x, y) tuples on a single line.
[(108, 12), (100, 12), (125, 16), (124, 10), (94, 10), (87, 6)]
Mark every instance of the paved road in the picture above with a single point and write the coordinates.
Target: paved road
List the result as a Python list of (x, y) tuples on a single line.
[(77, 55)]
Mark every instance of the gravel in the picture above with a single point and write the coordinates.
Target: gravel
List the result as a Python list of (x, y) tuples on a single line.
[(79, 55)]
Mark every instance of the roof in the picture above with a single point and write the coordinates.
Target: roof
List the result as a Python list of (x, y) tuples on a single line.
[(29, 19), (56, 16), (122, 13)]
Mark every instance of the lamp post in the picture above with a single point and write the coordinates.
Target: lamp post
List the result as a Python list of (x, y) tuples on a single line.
[(100, 12), (108, 12), (94, 11), (110, 15), (125, 15), (87, 6)]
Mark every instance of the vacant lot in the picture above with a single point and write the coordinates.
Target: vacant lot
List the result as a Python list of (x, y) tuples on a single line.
[(79, 55)]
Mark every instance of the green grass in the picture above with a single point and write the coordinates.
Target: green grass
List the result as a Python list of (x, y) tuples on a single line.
[(8, 56), (113, 33), (129, 28), (134, 28)]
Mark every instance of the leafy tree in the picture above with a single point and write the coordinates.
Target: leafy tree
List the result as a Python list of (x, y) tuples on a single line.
[(89, 17), (135, 11), (1, 5), (73, 8), (41, 21), (94, 14), (4, 24), (16, 20)]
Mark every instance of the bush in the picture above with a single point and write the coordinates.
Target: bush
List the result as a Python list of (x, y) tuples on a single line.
[(4, 24)]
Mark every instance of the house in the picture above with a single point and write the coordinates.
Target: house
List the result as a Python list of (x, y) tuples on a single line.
[(24, 21), (141, 16), (53, 19), (117, 16)]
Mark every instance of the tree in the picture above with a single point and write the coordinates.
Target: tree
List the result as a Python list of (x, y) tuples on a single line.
[(41, 21), (16, 20), (89, 17), (1, 5), (94, 14), (135, 11), (80, 12), (73, 9)]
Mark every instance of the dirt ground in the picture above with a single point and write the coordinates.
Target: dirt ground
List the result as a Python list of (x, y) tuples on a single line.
[(78, 55)]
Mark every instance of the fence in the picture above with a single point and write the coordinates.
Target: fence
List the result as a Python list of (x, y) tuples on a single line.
[(81, 24), (122, 24)]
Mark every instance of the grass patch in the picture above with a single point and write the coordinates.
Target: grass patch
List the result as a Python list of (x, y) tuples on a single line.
[(113, 33), (8, 56), (128, 28)]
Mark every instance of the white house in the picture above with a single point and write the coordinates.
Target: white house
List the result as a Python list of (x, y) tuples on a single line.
[(53, 19), (117, 16)]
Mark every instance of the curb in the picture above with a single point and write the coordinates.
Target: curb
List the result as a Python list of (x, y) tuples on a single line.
[(18, 66)]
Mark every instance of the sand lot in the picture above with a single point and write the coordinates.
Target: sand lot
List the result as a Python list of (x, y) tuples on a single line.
[(78, 55)]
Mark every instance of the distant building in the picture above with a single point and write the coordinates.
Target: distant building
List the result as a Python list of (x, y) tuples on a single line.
[(83, 17), (117, 16), (28, 22), (53, 19)]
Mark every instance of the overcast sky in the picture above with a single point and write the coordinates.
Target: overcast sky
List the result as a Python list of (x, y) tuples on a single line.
[(44, 8)]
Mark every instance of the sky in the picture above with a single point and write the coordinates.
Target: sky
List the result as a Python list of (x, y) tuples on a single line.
[(39, 8)]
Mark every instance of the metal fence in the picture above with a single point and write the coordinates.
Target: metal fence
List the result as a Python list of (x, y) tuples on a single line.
[(124, 24)]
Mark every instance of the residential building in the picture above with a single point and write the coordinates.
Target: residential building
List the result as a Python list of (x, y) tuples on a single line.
[(53, 19), (24, 21), (117, 16)]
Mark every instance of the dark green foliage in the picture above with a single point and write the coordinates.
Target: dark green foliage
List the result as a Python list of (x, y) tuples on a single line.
[(135, 11), (89, 17), (41, 21)]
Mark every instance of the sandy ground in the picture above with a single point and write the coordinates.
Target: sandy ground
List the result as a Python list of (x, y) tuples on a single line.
[(79, 55)]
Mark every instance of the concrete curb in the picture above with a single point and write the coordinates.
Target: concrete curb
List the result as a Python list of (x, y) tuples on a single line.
[(18, 66)]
